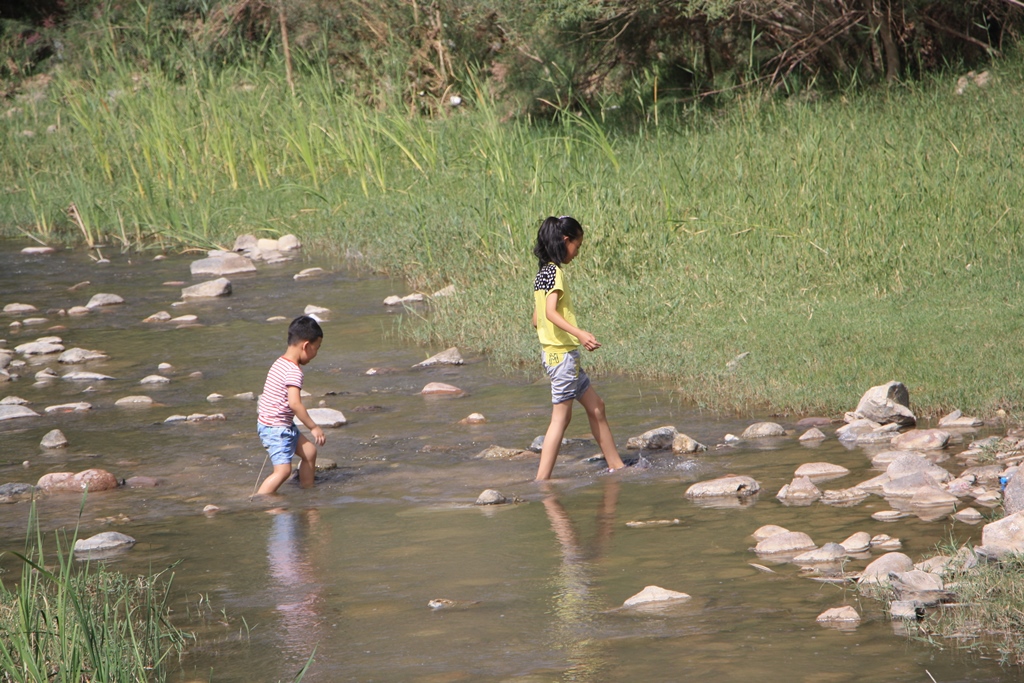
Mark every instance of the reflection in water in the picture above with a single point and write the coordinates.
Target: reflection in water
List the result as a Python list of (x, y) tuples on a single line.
[(574, 606), (294, 586)]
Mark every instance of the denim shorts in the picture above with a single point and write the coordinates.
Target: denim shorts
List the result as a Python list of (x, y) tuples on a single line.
[(280, 442), (568, 380)]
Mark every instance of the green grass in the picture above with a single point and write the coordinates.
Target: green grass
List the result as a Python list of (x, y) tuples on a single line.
[(843, 242), (986, 617), (81, 622)]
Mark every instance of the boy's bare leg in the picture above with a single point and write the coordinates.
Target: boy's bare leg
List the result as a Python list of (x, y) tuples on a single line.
[(594, 406), (306, 450), (561, 414), (279, 476)]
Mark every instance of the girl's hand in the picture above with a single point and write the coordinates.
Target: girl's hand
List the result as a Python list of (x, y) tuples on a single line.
[(588, 340), (318, 436)]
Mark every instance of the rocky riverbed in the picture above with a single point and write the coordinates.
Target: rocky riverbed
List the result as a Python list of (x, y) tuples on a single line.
[(728, 534)]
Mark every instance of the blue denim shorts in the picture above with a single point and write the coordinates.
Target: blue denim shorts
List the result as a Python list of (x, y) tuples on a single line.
[(280, 442), (568, 380)]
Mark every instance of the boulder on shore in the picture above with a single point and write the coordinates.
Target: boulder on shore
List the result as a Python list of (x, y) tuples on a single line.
[(887, 403)]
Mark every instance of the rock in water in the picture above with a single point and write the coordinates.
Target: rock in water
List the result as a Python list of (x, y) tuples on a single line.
[(10, 412), (724, 486), (788, 542), (491, 497), (654, 594), (821, 471), (104, 300), (208, 290), (839, 614), (879, 570), (326, 417), (682, 444), (226, 264), (441, 389), (653, 439), (760, 430), (447, 357), (921, 440), (106, 541), (54, 439)]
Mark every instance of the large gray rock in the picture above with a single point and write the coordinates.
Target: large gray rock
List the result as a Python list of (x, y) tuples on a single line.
[(683, 444), (1004, 536), (85, 377), (1013, 496), (225, 264), (908, 485), (447, 357), (103, 542), (208, 290), (40, 347), (759, 430), (878, 571), (851, 431), (99, 300), (911, 463), (327, 417), (800, 490), (933, 496), (768, 530), (830, 552), (957, 420), (54, 439), (654, 594), (77, 355), (11, 412), (821, 471), (13, 492), (887, 403), (736, 485), (653, 439), (786, 542), (491, 497), (859, 542), (921, 440)]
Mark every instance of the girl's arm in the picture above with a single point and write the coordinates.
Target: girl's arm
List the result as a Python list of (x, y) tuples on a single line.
[(295, 403), (588, 340), (533, 319)]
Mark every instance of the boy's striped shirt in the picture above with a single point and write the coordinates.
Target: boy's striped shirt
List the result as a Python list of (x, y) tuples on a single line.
[(273, 409)]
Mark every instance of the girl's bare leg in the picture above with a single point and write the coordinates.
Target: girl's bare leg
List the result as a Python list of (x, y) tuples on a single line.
[(594, 406), (306, 450), (561, 414)]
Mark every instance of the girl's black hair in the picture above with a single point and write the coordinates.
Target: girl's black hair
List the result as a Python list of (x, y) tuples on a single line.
[(550, 247)]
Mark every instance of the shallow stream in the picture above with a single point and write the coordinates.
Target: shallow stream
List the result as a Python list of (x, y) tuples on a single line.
[(348, 567)]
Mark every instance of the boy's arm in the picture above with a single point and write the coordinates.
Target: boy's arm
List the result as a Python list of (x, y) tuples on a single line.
[(588, 340), (295, 403)]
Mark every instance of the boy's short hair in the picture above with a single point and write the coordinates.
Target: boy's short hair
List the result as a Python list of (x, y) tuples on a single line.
[(303, 329)]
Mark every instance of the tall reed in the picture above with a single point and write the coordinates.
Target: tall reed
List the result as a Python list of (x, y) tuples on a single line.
[(842, 243)]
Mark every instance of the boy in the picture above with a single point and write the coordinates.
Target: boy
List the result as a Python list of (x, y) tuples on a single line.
[(281, 402)]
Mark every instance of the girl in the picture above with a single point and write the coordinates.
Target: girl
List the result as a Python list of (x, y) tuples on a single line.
[(558, 243)]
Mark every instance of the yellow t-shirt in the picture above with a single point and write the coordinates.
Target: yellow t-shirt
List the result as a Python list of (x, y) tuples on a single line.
[(554, 340)]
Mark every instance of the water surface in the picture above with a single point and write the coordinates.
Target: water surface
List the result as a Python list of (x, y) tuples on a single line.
[(348, 567)]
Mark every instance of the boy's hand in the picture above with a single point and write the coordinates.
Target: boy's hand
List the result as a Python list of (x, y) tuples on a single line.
[(318, 436), (588, 340)]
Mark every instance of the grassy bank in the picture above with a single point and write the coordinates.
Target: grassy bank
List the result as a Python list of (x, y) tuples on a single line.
[(79, 622), (842, 243)]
